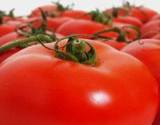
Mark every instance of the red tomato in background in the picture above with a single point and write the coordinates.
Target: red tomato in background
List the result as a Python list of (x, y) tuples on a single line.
[(5, 29), (143, 13), (9, 37), (147, 51), (51, 9), (150, 29), (35, 89), (129, 20), (80, 27)]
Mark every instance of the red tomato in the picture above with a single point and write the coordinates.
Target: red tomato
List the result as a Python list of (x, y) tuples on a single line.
[(9, 27), (143, 13), (147, 51), (8, 38), (76, 14), (5, 29), (150, 29), (48, 9), (80, 27), (35, 89), (129, 20)]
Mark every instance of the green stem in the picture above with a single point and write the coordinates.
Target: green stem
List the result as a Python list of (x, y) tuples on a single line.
[(26, 42), (76, 50)]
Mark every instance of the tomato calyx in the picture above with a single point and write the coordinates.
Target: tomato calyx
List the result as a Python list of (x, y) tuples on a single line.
[(61, 7), (76, 50), (101, 17)]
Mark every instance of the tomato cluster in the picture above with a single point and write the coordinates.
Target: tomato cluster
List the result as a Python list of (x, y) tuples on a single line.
[(61, 66)]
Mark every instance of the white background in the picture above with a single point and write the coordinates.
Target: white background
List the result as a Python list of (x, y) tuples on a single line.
[(25, 6)]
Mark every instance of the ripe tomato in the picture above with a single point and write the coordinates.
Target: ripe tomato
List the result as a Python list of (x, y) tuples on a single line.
[(142, 13), (48, 9), (5, 29), (129, 20), (147, 51), (35, 89), (80, 27), (150, 29)]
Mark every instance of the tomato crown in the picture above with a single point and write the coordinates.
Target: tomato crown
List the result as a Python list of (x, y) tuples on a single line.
[(76, 50), (101, 17)]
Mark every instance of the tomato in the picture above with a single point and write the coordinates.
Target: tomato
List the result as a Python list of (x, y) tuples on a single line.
[(129, 20), (76, 14), (80, 27), (9, 37), (37, 88), (5, 29), (143, 13), (150, 29), (48, 9), (9, 27), (147, 51)]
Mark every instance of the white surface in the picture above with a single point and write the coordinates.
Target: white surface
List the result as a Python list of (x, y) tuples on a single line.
[(25, 6)]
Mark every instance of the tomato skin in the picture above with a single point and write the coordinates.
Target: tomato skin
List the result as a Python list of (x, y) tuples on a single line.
[(147, 50), (150, 29), (157, 36), (76, 14), (80, 27), (5, 29), (55, 23), (35, 89), (9, 37), (156, 17), (115, 44), (129, 20)]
